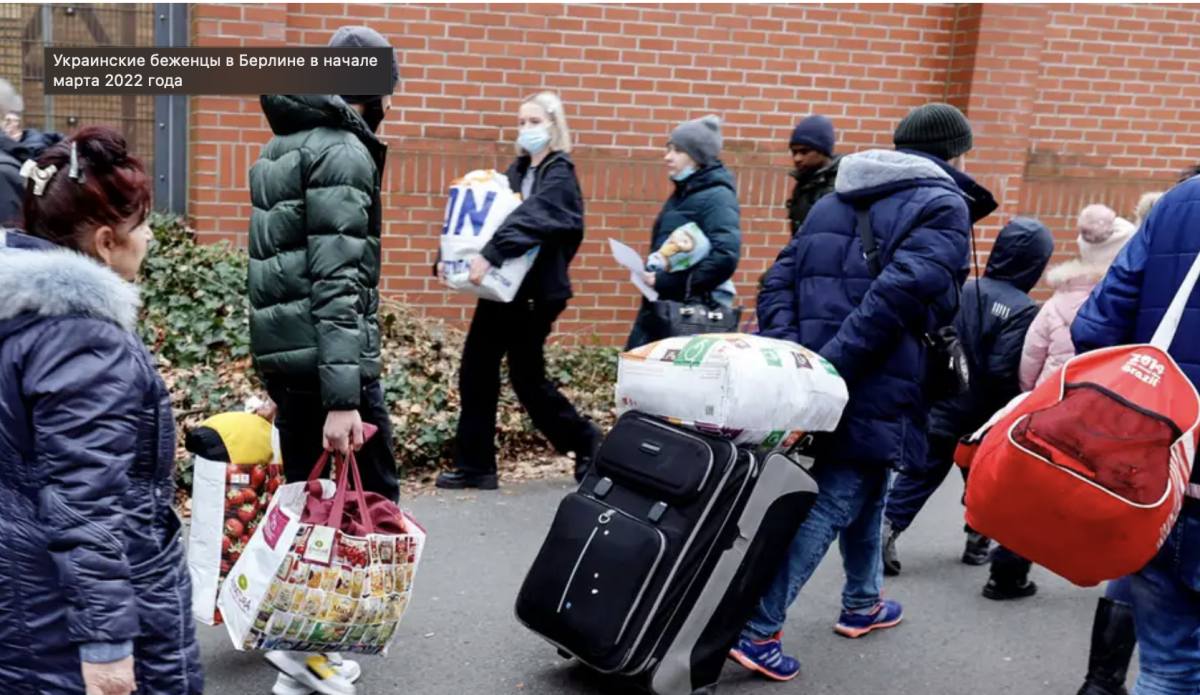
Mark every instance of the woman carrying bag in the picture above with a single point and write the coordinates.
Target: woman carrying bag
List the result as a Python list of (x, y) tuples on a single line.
[(706, 195), (549, 218)]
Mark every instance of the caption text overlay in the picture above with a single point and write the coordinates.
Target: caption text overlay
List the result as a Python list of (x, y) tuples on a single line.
[(195, 71)]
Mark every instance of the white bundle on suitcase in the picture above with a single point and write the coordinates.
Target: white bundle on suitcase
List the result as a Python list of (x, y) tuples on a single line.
[(479, 203), (750, 389)]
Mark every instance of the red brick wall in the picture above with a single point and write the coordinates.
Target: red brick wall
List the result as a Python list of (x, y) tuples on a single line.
[(1070, 104), (1117, 106)]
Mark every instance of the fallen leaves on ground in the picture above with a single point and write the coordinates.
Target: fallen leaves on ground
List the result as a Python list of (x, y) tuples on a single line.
[(421, 358)]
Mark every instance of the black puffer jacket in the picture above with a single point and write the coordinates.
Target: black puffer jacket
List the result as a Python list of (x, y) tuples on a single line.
[(12, 191), (14, 153), (552, 219), (315, 248), (94, 565), (32, 144), (993, 317)]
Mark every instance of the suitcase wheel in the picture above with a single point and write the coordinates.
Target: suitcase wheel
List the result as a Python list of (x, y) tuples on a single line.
[(566, 654)]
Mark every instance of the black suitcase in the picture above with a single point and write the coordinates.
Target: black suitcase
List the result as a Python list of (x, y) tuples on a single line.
[(652, 567)]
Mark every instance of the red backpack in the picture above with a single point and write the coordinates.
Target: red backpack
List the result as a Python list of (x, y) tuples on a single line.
[(1086, 474)]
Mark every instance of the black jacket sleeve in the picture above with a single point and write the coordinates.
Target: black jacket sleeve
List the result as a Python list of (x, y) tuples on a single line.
[(12, 192), (555, 208)]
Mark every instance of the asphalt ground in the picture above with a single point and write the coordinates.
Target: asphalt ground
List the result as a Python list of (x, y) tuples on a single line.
[(460, 637)]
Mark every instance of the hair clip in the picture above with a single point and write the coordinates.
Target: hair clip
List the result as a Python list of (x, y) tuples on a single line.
[(76, 172), (40, 177)]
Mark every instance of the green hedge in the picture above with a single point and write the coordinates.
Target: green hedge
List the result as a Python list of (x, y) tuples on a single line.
[(196, 320)]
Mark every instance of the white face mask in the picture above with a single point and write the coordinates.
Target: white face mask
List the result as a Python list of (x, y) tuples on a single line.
[(534, 140), (684, 175)]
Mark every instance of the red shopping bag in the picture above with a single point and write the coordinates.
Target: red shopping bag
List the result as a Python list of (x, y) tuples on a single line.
[(1086, 474), (356, 511)]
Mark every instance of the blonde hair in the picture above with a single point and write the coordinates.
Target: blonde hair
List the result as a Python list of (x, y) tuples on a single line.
[(560, 133), (1144, 205)]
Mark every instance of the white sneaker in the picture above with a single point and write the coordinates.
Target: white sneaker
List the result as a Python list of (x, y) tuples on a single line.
[(303, 674)]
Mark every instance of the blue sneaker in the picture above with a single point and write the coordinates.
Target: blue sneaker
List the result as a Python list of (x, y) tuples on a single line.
[(766, 658), (885, 614)]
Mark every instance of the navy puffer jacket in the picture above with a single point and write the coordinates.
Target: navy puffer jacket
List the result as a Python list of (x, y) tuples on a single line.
[(94, 563), (821, 294), (995, 315)]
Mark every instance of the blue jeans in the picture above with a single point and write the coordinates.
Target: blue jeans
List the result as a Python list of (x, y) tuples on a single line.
[(1166, 613), (1119, 590), (850, 506)]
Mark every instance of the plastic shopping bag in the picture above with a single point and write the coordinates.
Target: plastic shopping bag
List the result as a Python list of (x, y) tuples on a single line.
[(753, 390), (234, 475), (478, 205), (311, 586)]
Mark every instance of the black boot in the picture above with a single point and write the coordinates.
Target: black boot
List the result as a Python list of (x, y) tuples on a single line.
[(1009, 577), (976, 551), (462, 480), (1113, 640), (891, 557)]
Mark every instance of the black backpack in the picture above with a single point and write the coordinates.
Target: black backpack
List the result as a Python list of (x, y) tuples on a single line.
[(946, 374)]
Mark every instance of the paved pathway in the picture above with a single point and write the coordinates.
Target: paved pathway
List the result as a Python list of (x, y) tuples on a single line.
[(460, 637)]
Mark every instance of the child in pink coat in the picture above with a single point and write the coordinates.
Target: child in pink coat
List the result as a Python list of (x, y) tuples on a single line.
[(1048, 344)]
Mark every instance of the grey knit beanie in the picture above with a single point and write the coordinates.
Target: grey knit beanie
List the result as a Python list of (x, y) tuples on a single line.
[(700, 139), (937, 129), (364, 37)]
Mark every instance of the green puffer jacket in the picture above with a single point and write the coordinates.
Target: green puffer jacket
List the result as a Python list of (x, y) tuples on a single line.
[(315, 248)]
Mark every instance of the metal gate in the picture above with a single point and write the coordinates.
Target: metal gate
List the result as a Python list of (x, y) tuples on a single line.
[(100, 24)]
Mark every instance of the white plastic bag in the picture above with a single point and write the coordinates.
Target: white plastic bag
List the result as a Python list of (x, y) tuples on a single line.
[(229, 500), (753, 390), (479, 203)]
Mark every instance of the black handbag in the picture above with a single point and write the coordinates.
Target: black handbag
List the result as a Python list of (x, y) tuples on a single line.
[(946, 372), (693, 316)]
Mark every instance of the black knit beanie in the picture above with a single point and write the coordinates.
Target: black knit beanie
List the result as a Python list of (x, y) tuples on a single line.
[(937, 129), (364, 37)]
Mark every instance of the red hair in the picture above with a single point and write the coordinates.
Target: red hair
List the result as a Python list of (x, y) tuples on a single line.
[(115, 190)]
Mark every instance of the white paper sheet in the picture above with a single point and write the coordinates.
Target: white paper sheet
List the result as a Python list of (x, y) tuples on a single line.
[(628, 258)]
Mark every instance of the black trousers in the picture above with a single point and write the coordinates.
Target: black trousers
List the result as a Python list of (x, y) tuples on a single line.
[(519, 331), (300, 418)]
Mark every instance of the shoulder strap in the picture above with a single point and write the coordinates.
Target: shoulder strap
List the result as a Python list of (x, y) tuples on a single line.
[(1165, 334), (869, 245)]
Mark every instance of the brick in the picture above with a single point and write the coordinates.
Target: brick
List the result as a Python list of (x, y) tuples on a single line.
[(1091, 98)]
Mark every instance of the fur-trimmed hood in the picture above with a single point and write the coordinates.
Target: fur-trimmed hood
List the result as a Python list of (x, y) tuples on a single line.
[(41, 278), (1075, 274)]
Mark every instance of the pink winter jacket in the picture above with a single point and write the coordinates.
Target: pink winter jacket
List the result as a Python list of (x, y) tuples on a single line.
[(1048, 343)]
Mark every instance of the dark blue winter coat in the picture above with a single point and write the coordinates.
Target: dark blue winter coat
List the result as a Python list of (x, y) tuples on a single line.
[(992, 320), (707, 198), (821, 294), (93, 563)]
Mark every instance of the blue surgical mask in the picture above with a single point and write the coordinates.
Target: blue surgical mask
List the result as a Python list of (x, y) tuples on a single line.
[(534, 140), (684, 175)]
